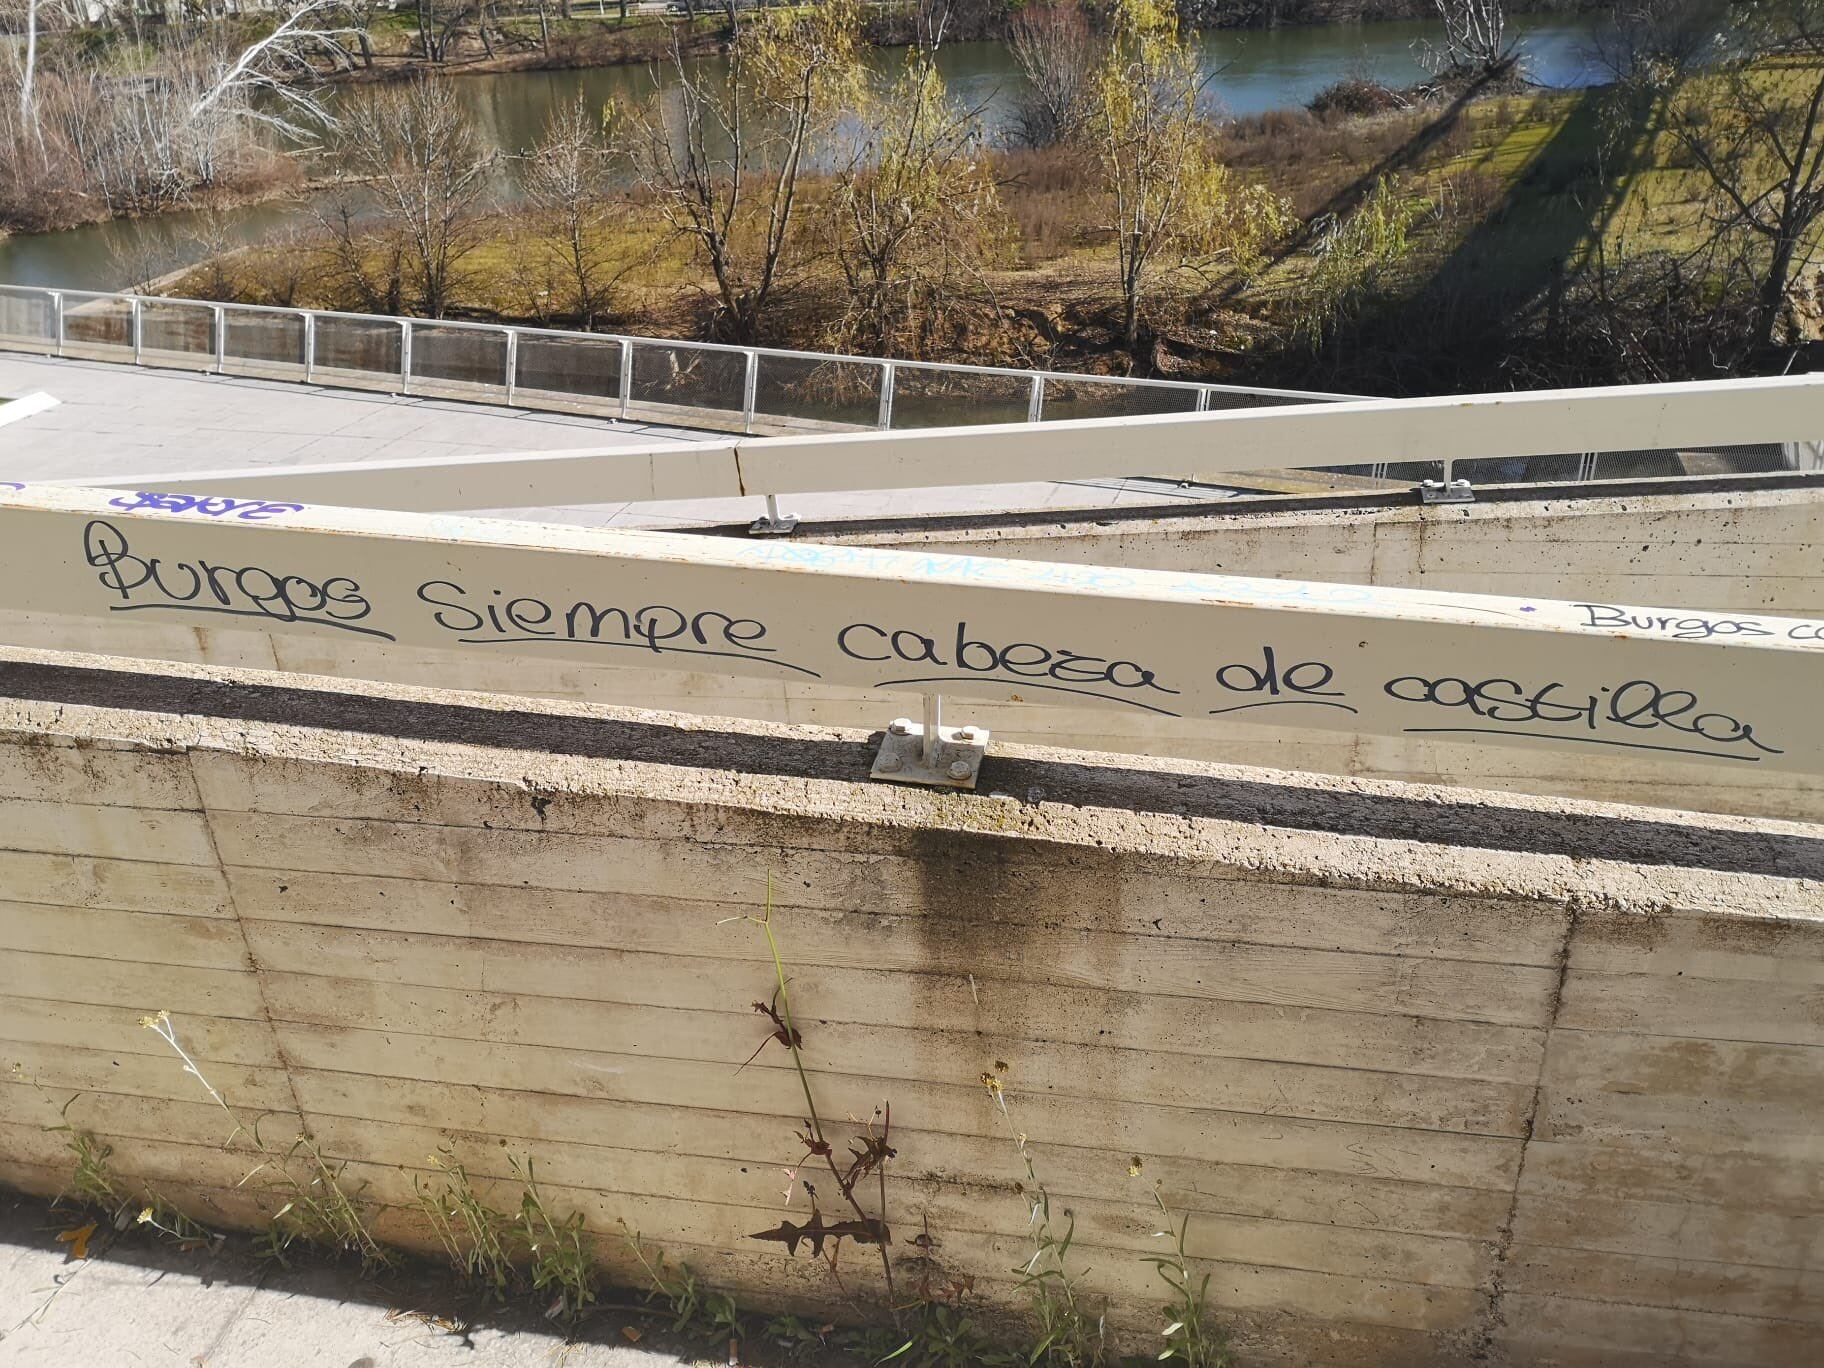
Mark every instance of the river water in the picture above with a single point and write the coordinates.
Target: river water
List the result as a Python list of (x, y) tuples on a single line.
[(1251, 71)]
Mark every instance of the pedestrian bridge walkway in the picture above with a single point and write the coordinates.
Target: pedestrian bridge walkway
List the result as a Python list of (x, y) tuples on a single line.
[(120, 420)]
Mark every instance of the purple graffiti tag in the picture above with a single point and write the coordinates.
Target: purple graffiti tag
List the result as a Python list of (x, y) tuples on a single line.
[(243, 510)]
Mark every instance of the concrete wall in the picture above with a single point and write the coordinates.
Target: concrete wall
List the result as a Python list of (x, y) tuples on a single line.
[(1441, 1076), (1748, 548)]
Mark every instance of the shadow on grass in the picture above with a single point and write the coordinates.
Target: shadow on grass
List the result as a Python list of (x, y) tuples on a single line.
[(1511, 272), (1350, 197), (1553, 219)]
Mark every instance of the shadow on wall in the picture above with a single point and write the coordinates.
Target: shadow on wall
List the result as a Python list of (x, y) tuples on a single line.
[(1339, 807)]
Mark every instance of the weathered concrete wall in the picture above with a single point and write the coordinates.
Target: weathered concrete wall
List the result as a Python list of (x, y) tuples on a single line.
[(1743, 548), (1439, 1075)]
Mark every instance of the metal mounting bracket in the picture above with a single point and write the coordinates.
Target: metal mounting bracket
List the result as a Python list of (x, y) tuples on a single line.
[(1446, 492), (773, 523), (931, 753)]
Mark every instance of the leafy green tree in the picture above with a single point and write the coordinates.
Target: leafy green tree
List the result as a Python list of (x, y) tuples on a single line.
[(1172, 204)]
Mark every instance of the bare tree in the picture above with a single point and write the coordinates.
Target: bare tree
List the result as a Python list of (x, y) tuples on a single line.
[(440, 22), (28, 107), (362, 268), (272, 79), (1751, 119), (916, 214), (722, 155), (566, 188), (1055, 50), (85, 142), (1475, 36), (416, 151), (1172, 204), (1643, 40)]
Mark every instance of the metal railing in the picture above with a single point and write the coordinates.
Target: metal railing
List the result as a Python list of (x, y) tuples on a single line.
[(707, 385), (715, 387)]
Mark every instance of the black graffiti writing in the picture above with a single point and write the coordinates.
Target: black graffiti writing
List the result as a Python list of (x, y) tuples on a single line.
[(1639, 705), (200, 586), (244, 510), (1304, 683), (497, 618), (1013, 662), (1680, 626)]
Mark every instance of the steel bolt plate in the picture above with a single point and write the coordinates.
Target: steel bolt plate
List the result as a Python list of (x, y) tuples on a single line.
[(957, 764)]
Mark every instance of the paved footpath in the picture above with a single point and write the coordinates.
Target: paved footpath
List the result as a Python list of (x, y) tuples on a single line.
[(132, 1305), (118, 420)]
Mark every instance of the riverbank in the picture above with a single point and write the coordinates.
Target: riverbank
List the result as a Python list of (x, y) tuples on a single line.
[(540, 41), (510, 90), (1494, 198)]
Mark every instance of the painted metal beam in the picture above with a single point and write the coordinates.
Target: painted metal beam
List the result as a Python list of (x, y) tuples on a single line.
[(1735, 689), (25, 406), (1295, 437)]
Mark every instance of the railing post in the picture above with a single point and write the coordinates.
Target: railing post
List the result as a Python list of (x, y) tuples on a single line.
[(626, 376), (885, 419), (1203, 400), (1035, 402), (57, 318), (405, 356), (221, 339), (512, 365), (750, 389), (138, 327), (310, 345)]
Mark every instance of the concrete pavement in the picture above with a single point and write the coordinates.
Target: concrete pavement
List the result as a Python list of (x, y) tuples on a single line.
[(116, 420), (132, 1304)]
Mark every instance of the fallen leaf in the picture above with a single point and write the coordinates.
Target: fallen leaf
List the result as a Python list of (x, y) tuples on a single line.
[(633, 1333), (78, 1240)]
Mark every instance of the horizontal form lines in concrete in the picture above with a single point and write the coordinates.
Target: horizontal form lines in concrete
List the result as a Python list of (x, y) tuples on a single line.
[(1307, 1061)]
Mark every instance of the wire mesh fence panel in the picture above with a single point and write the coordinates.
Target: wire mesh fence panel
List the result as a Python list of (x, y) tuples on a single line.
[(1066, 400), (1403, 472), (569, 372), (815, 394), (28, 318), (459, 356), (1521, 469), (359, 349), (925, 396), (174, 333), (694, 386), (259, 343), (1240, 399), (101, 322), (1720, 460)]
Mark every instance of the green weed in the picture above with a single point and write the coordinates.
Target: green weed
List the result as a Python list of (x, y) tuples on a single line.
[(1189, 1337), (696, 1312), (945, 1336), (93, 1181), (1070, 1334), (477, 1238), (796, 1338), (559, 1261), (318, 1209)]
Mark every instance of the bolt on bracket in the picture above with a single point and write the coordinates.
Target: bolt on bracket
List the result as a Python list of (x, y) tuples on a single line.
[(930, 754), (1446, 492), (773, 523)]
